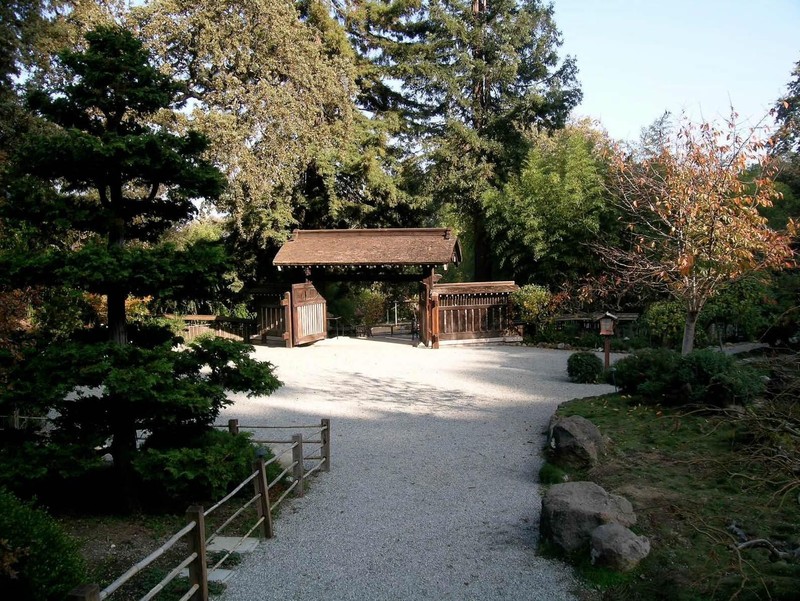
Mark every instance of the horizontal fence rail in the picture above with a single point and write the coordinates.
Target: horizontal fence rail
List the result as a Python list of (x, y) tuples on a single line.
[(195, 529), (235, 328)]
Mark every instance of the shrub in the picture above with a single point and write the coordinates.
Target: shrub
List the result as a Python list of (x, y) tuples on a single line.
[(203, 469), (704, 376), (713, 378), (584, 367), (38, 561), (532, 303), (649, 372)]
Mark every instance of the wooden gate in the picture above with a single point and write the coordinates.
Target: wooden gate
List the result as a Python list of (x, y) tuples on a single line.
[(308, 314)]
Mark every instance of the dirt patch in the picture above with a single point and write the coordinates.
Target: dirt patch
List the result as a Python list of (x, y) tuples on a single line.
[(111, 545)]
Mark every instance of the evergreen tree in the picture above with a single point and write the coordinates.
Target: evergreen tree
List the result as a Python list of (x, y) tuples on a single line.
[(107, 182), (476, 75)]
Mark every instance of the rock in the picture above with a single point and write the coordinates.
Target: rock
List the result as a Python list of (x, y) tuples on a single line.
[(616, 547), (576, 441), (572, 510)]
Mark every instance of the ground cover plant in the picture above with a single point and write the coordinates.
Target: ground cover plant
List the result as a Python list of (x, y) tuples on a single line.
[(715, 490)]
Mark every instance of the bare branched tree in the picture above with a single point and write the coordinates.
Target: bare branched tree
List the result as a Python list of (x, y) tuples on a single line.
[(691, 207)]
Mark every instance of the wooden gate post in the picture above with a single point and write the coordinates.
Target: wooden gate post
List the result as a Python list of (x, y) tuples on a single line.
[(233, 426), (326, 444), (435, 328), (297, 459), (288, 334), (263, 507), (198, 570)]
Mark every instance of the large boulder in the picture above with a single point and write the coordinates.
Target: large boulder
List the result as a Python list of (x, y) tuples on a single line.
[(576, 441), (572, 510), (615, 546)]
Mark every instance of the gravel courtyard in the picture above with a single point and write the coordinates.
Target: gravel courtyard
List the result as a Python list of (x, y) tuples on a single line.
[(432, 492)]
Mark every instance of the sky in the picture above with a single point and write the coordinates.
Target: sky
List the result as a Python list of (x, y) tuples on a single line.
[(638, 58)]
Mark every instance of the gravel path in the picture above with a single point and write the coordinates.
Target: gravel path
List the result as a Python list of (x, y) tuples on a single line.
[(432, 492)]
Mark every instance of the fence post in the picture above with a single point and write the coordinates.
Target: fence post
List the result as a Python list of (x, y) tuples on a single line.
[(233, 426), (326, 444), (85, 592), (15, 419), (288, 334), (297, 459), (198, 570), (262, 489)]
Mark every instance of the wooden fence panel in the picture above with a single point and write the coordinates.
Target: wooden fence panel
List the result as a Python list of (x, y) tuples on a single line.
[(464, 317)]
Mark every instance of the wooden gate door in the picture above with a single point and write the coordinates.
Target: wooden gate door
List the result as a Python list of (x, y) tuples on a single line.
[(308, 314)]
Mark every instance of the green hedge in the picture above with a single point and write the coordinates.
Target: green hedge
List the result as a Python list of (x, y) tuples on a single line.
[(204, 469), (702, 377), (38, 561), (585, 367)]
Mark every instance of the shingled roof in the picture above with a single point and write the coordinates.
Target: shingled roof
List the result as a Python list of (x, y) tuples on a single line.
[(411, 246)]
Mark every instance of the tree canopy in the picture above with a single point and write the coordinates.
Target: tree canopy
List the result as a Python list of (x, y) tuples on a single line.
[(692, 211), (474, 77), (104, 184), (544, 220), (271, 92)]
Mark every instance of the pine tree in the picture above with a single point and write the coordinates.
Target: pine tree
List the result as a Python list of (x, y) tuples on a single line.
[(102, 183), (475, 76)]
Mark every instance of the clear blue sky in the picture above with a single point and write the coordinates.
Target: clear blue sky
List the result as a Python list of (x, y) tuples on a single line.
[(638, 58)]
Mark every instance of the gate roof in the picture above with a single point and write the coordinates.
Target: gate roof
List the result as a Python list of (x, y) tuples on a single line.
[(370, 247)]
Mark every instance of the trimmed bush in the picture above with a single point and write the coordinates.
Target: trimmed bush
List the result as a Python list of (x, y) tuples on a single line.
[(649, 372), (38, 561), (713, 378), (701, 377), (203, 469), (585, 367)]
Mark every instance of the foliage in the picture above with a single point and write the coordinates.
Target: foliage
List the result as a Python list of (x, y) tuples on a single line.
[(570, 333), (693, 215), (532, 302), (585, 367), (665, 321), (475, 77), (203, 469), (370, 307), (788, 114), (743, 309), (552, 474), (543, 219), (37, 560), (101, 390), (647, 372), (705, 377), (113, 185), (714, 378), (270, 90)]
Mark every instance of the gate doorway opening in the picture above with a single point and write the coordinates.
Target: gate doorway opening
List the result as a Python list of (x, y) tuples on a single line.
[(446, 312)]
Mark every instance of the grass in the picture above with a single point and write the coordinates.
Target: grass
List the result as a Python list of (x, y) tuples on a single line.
[(679, 469)]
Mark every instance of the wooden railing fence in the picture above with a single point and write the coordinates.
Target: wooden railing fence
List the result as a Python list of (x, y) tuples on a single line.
[(16, 421), (234, 328), (195, 528)]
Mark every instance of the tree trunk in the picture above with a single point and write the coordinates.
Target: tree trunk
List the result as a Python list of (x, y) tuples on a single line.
[(117, 319), (123, 449), (483, 262), (688, 332)]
